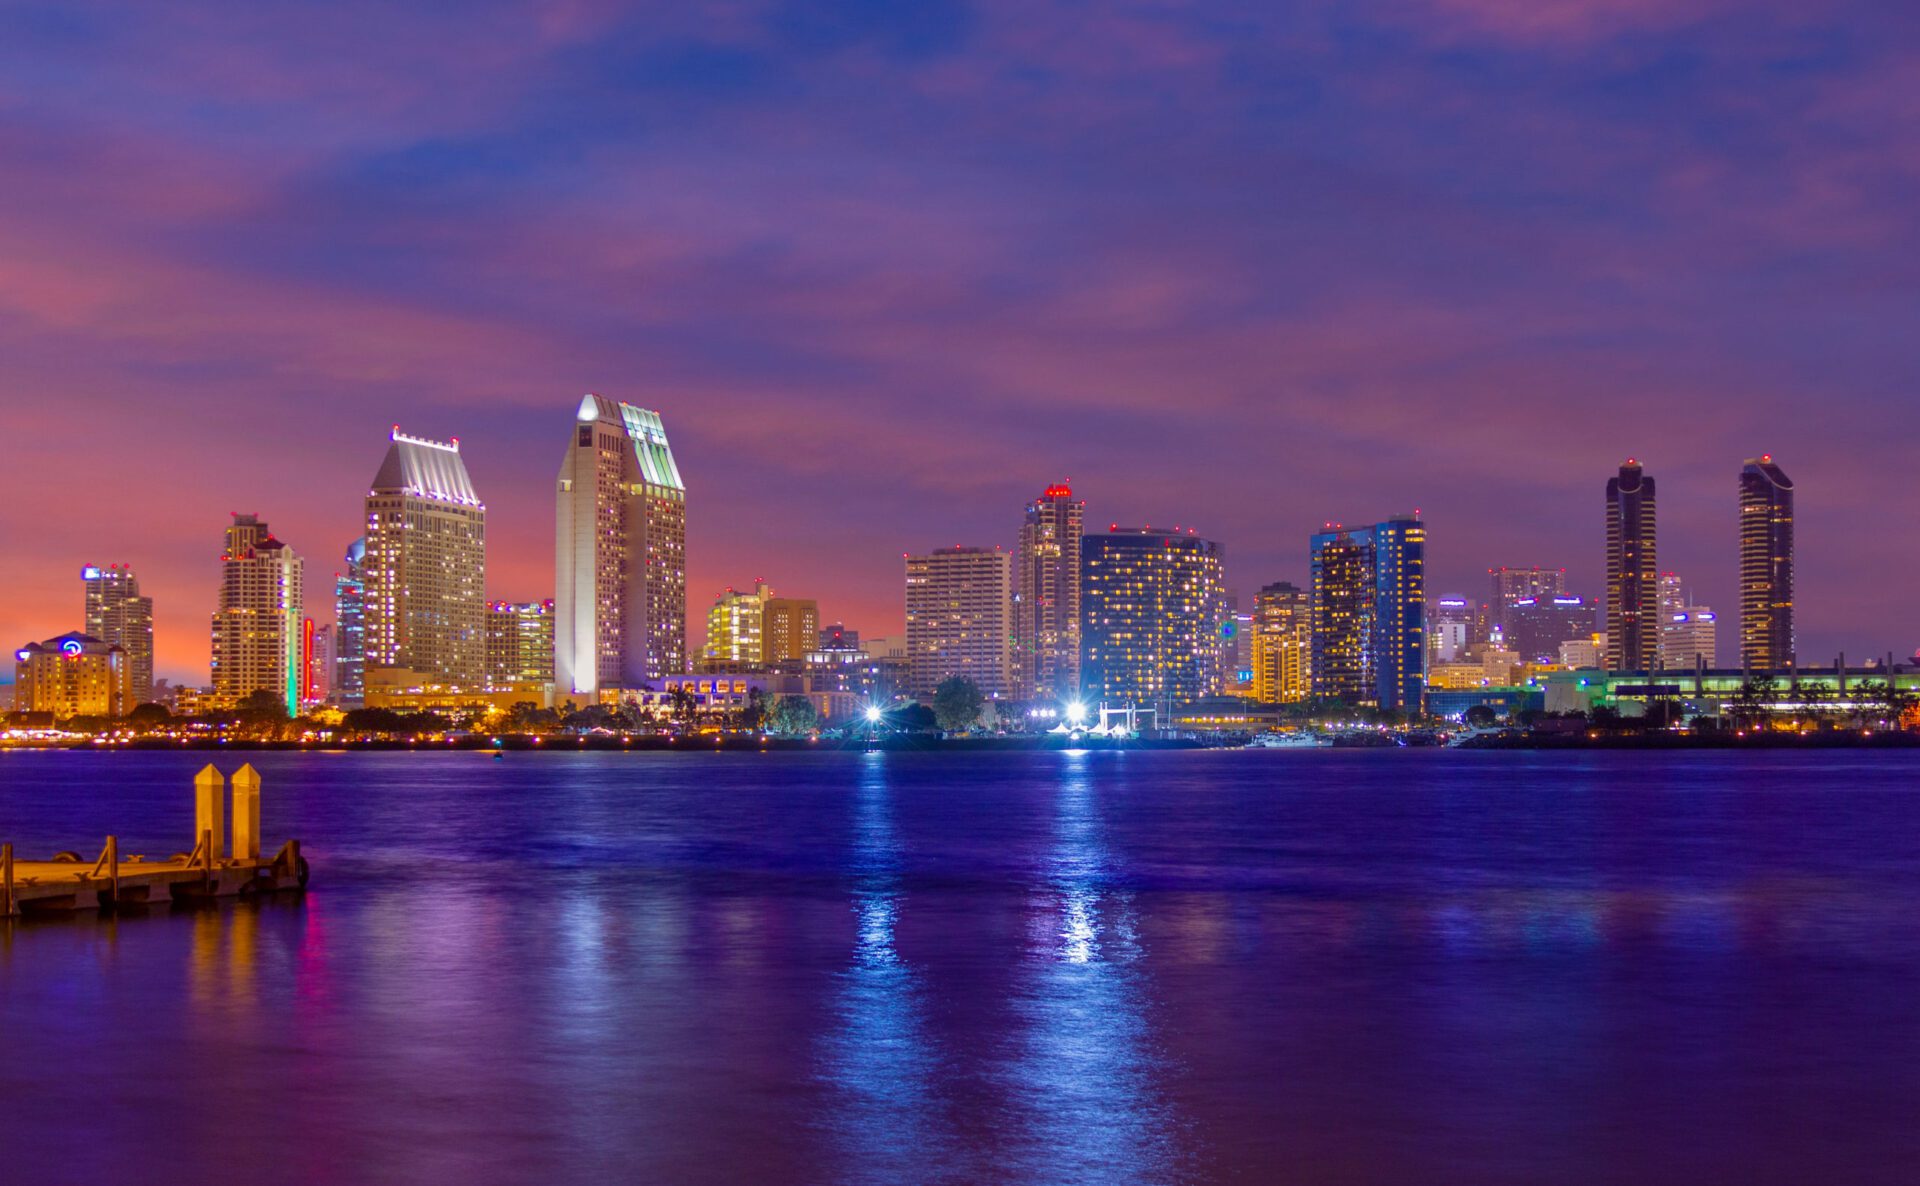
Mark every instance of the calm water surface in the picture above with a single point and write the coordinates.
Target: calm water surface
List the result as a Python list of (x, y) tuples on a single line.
[(1416, 968)]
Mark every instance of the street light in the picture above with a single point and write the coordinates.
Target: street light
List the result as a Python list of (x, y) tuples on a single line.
[(1076, 712), (873, 714)]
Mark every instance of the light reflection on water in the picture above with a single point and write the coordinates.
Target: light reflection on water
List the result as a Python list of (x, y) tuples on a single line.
[(1453, 970)]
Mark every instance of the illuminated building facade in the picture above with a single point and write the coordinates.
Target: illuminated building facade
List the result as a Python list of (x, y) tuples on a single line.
[(1046, 624), (119, 616), (1282, 630), (1151, 606), (620, 560), (73, 675), (734, 624), (789, 629), (519, 643), (256, 624), (1452, 627), (1633, 572), (1369, 613), (1688, 632), (317, 670), (959, 619), (1342, 613), (1766, 566), (350, 628), (426, 568), (1511, 586), (1537, 626), (1400, 612)]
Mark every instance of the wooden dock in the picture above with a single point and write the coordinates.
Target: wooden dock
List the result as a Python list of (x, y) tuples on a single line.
[(68, 882)]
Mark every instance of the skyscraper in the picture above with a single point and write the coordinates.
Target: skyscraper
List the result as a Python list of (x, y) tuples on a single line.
[(620, 560), (1342, 613), (1046, 626), (1633, 572), (350, 628), (959, 611), (317, 675), (1369, 613), (119, 616), (256, 625), (1400, 612), (1151, 606), (1282, 630), (426, 569), (1766, 566), (1452, 626)]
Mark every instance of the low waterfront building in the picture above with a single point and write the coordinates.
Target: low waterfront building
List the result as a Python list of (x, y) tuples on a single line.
[(73, 675)]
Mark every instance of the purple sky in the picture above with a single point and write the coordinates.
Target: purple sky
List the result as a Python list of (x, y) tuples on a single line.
[(888, 272)]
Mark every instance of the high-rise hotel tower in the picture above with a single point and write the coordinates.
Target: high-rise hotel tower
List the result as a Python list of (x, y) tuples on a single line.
[(426, 570), (1152, 603), (256, 625), (350, 628), (119, 616), (1370, 613), (620, 555), (1046, 596), (1633, 572), (959, 610), (1766, 566)]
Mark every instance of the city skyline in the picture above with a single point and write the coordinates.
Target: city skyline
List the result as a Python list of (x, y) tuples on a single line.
[(899, 268)]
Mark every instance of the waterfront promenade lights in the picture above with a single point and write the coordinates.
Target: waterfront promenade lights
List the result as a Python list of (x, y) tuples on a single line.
[(873, 714), (1077, 712)]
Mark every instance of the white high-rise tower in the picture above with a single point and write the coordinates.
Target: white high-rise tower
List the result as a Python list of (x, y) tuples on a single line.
[(620, 554)]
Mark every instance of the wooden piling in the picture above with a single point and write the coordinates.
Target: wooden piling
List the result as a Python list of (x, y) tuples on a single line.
[(6, 881)]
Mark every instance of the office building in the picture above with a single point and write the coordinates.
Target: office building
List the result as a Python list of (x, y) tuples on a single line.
[(959, 619), (1046, 628), (73, 675), (256, 622), (1688, 631), (1369, 613), (1452, 627), (1766, 567), (350, 628), (838, 635), (1151, 606), (1633, 571), (119, 616), (620, 602), (735, 622), (519, 643), (1537, 626), (1282, 635), (1513, 585), (789, 628), (426, 569), (318, 667)]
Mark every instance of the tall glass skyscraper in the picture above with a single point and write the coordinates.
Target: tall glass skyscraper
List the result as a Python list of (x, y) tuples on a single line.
[(620, 553), (1766, 566), (350, 628), (1370, 613), (1151, 607), (1633, 572), (118, 615), (1046, 595)]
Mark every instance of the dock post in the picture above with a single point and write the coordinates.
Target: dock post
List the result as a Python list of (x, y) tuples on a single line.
[(246, 814), (6, 881), (208, 810)]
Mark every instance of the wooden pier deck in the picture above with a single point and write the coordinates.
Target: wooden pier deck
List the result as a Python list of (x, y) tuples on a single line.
[(68, 882)]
